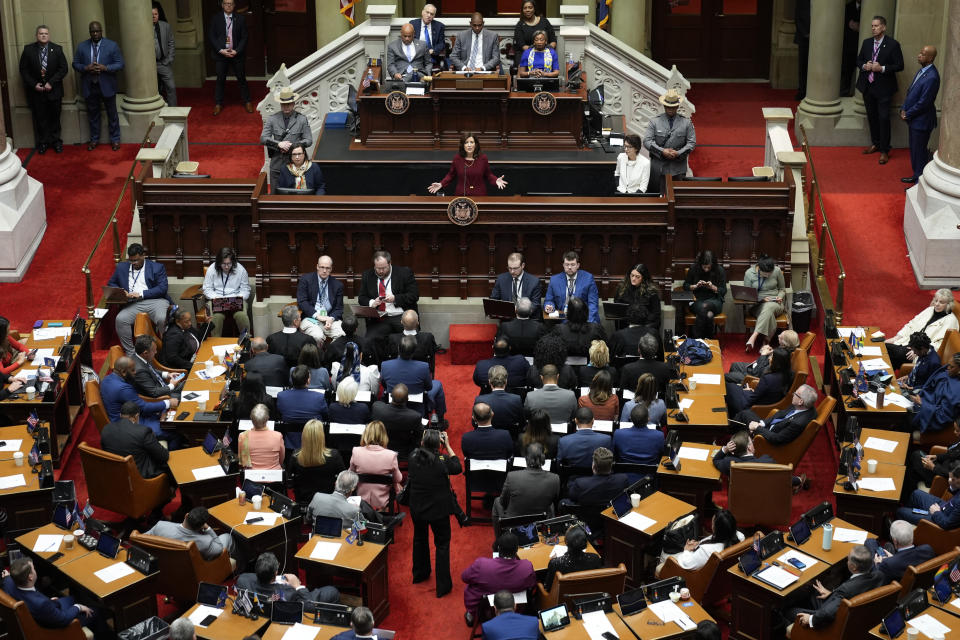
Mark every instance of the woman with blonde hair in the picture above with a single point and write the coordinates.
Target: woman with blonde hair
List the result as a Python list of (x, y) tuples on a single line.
[(599, 360), (314, 467), (373, 457)]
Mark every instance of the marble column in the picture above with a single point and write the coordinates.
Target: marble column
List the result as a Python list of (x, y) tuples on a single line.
[(142, 101), (630, 23), (188, 64), (870, 8), (23, 216), (821, 108), (82, 13)]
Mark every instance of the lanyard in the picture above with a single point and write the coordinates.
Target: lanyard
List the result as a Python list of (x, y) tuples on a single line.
[(223, 280), (134, 278)]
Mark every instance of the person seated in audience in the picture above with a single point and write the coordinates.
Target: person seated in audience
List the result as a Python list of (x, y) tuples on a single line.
[(334, 504), (8, 390), (301, 173), (695, 554), (707, 630), (508, 624), (573, 283), (346, 409), (350, 365), (299, 404), (575, 559), (638, 443), (577, 333), (638, 288), (469, 171), (507, 407), (361, 625), (577, 449), (538, 430), (785, 425), (180, 342), (934, 321), (600, 399), (407, 57), (310, 358), (767, 278), (373, 457), (925, 360), (320, 299), (738, 449), (413, 373), (771, 388), (288, 341), (127, 437), (529, 490), (598, 359), (708, 282), (645, 393), (51, 613), (823, 605), (260, 447), (531, 23), (524, 331), (12, 353), (117, 388), (516, 365), (943, 513), (426, 343), (551, 350), (558, 403), (485, 442), (936, 405), (633, 170), (253, 392), (402, 423), (923, 468), (626, 341), (648, 363), (475, 49), (226, 278), (182, 629), (263, 581), (893, 559), (487, 575), (788, 340), (272, 367), (144, 282), (194, 528), (431, 33), (514, 285), (148, 381), (314, 467), (391, 290), (539, 61)]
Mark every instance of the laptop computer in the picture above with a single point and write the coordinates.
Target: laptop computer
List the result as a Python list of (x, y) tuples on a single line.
[(114, 295), (212, 595), (554, 618), (286, 612), (741, 293), (681, 296), (499, 309), (615, 310)]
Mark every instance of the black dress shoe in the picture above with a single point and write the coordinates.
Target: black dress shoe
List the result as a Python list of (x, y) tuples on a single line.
[(423, 578), (58, 147), (469, 618), (42, 149), (909, 180)]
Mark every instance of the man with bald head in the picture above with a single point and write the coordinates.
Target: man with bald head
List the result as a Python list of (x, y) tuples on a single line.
[(920, 112), (402, 423), (320, 298), (407, 57), (426, 343), (117, 388), (272, 367)]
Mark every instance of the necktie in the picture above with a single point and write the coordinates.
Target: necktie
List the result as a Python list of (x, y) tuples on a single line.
[(876, 49), (790, 414), (382, 292), (474, 50), (323, 294), (96, 52), (229, 32), (426, 36), (916, 77), (516, 289), (156, 32), (43, 61), (570, 285), (156, 374)]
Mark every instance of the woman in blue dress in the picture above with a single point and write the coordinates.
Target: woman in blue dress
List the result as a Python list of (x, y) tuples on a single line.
[(539, 61)]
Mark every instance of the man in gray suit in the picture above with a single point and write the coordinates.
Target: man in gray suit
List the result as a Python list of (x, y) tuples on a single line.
[(282, 130), (194, 528), (271, 366), (669, 138), (164, 46), (476, 49), (558, 403), (406, 57), (530, 490), (335, 505)]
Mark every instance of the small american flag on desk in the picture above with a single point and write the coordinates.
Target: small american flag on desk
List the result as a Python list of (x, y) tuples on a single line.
[(32, 421)]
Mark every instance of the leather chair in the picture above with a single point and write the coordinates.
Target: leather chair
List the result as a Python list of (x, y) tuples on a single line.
[(116, 352), (143, 326), (921, 575), (800, 364), (761, 494), (20, 625), (710, 584), (942, 438), (948, 346), (807, 341), (195, 295), (183, 566), (114, 483), (384, 479), (854, 617), (608, 580), (793, 452), (91, 393), (942, 541)]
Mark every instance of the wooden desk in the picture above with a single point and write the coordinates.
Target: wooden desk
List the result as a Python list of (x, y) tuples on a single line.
[(41, 558), (838, 550), (704, 424), (276, 631), (897, 456), (228, 626), (365, 567), (194, 431), (625, 544), (131, 598), (940, 615), (695, 482), (254, 539), (200, 493), (576, 631), (864, 508), (27, 507), (539, 554), (648, 626)]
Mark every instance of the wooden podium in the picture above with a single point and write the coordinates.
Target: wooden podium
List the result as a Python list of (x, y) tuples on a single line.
[(451, 80)]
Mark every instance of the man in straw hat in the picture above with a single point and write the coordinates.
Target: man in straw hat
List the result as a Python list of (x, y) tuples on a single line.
[(669, 138), (282, 130)]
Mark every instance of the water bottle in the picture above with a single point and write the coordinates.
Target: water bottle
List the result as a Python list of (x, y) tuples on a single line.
[(880, 392), (827, 536)]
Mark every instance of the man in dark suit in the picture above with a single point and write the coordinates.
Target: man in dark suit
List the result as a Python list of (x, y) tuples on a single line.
[(559, 403), (576, 449), (98, 60), (272, 367), (510, 625), (148, 381), (638, 444), (117, 389), (893, 563), (288, 341), (361, 625), (648, 363), (127, 437), (144, 282), (516, 283), (507, 407), (390, 290), (516, 365), (600, 488), (824, 605), (264, 582), (227, 35), (426, 344), (165, 48), (920, 112), (530, 490), (786, 425), (402, 423), (300, 404), (432, 37), (945, 513), (923, 467), (320, 298), (486, 442), (415, 375), (43, 68), (879, 61), (626, 341), (180, 342), (407, 57), (738, 449), (524, 331)]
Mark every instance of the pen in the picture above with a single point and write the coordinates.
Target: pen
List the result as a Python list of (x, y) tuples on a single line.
[(788, 570)]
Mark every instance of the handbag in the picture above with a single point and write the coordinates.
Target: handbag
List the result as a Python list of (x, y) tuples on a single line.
[(403, 498)]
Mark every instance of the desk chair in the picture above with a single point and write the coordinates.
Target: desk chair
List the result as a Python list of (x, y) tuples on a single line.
[(761, 494), (480, 485), (195, 295), (114, 483), (384, 479), (921, 575), (942, 540), (807, 341), (854, 616), (182, 568), (115, 352), (143, 326), (800, 364), (750, 322), (931, 439), (793, 452), (710, 584), (20, 625), (608, 580), (689, 319), (94, 402)]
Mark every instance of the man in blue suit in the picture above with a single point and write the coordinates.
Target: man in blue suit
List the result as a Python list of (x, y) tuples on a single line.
[(576, 449), (509, 625), (320, 298), (516, 283), (893, 564), (416, 375), (117, 388), (144, 282), (98, 60), (301, 404), (943, 513), (507, 407), (572, 283), (920, 112), (485, 442), (516, 365), (638, 444), (432, 37)]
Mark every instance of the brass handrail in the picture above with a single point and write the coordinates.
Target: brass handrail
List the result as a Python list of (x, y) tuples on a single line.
[(111, 223), (825, 233)]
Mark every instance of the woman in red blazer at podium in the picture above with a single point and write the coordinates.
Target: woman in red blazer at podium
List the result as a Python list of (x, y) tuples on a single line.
[(469, 172)]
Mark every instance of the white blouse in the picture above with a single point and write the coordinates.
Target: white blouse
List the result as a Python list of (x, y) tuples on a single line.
[(634, 175)]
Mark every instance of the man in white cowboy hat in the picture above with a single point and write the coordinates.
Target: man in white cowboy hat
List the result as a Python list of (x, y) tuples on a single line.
[(669, 138), (282, 130)]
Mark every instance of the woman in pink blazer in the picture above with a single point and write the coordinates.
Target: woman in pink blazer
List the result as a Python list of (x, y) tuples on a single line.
[(372, 456)]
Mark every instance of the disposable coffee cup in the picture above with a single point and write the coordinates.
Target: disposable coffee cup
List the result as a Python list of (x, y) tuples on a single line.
[(201, 405), (257, 502), (871, 466), (674, 596), (18, 458), (912, 633), (692, 383), (68, 541), (635, 500), (684, 594), (31, 393)]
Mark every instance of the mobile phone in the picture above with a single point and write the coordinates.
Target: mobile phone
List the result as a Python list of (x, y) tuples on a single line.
[(921, 512), (610, 636), (718, 409), (38, 324), (796, 563), (254, 520), (55, 557), (183, 416), (206, 622)]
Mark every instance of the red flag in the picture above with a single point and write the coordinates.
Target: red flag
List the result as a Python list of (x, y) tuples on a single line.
[(346, 10)]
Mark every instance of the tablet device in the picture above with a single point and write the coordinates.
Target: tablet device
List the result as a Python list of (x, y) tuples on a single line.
[(749, 562), (212, 595), (63, 516), (632, 602), (770, 544), (328, 527), (527, 534), (107, 545), (210, 443), (621, 505), (554, 618), (252, 488), (800, 531), (942, 589), (893, 623), (286, 612)]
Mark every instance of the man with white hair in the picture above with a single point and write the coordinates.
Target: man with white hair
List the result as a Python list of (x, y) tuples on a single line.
[(785, 425), (182, 629), (340, 505), (431, 33), (893, 560)]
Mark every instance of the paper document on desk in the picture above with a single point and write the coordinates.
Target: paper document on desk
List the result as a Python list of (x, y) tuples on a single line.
[(669, 612), (114, 572), (221, 350), (347, 429), (845, 332), (897, 399), (50, 333), (41, 354), (47, 543), (875, 364), (706, 378), (326, 550), (877, 484), (929, 626), (100, 313), (596, 624), (263, 476), (269, 518), (870, 399), (246, 425), (212, 372), (637, 521), (26, 374), (796, 555), (521, 462), (11, 445), (693, 453), (9, 482), (301, 632), (273, 392), (686, 403), (205, 473), (603, 425), (841, 534), (880, 444), (627, 394), (558, 550), (201, 612), (871, 352), (779, 578), (558, 427)]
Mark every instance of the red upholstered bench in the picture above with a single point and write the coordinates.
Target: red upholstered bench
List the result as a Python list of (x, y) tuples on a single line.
[(471, 342)]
